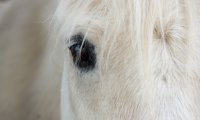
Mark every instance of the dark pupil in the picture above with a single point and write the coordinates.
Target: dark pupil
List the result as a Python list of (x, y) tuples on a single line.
[(84, 58)]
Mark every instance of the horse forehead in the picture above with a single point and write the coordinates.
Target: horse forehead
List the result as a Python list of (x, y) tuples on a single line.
[(99, 12), (98, 17)]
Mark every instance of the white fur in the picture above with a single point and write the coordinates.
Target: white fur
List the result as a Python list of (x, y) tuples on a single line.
[(148, 62), (147, 66)]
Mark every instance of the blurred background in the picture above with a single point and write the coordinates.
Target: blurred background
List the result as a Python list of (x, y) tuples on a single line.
[(29, 70)]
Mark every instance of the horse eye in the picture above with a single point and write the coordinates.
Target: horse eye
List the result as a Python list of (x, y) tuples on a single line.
[(83, 53)]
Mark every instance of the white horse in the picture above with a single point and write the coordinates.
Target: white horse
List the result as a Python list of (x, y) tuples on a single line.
[(116, 59)]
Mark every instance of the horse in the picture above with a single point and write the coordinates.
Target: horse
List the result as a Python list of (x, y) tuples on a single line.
[(104, 60)]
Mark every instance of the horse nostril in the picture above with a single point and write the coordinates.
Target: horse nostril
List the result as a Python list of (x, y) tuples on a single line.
[(84, 56)]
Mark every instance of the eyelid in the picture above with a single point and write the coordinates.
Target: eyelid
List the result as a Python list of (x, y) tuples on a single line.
[(76, 40)]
